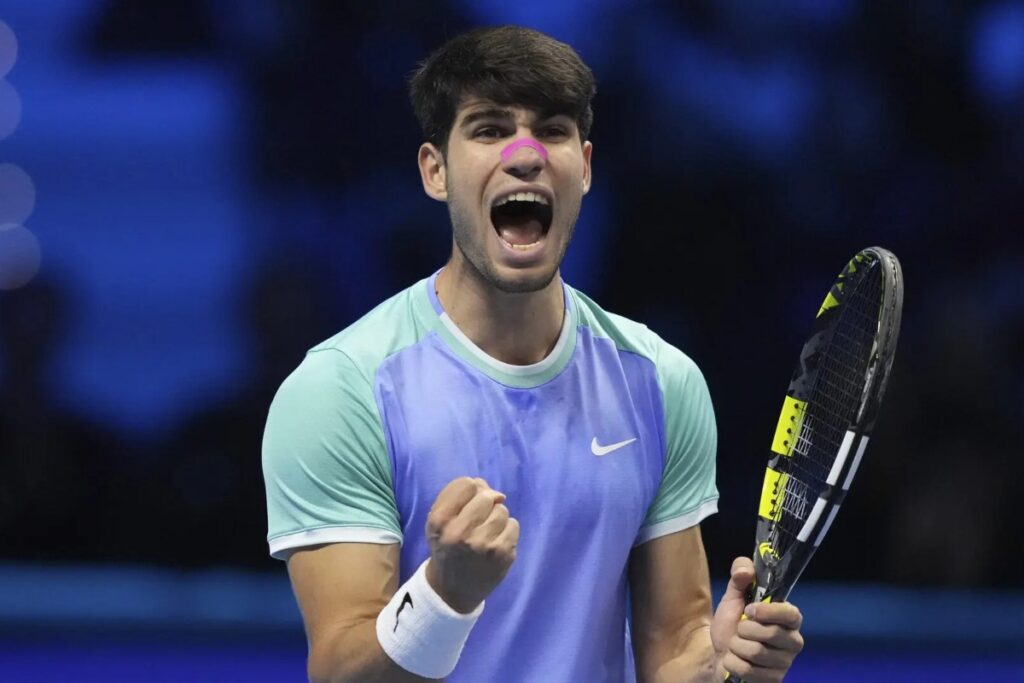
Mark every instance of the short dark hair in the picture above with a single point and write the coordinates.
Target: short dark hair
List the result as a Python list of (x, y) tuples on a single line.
[(508, 65)]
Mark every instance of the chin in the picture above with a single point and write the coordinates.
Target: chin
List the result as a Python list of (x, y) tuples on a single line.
[(513, 281)]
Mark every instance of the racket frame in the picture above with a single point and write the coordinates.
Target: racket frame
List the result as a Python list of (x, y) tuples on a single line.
[(775, 574)]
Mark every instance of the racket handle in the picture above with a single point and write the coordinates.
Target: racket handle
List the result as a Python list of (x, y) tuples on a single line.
[(751, 589)]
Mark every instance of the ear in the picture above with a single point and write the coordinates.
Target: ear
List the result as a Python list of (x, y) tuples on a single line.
[(433, 172), (588, 150)]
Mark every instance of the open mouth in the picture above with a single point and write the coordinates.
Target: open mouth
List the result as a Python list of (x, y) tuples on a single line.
[(522, 219)]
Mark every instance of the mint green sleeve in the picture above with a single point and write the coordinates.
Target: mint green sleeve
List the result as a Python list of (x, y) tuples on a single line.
[(325, 463), (687, 493)]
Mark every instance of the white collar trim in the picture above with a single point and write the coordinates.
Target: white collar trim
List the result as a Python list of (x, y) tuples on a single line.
[(508, 368)]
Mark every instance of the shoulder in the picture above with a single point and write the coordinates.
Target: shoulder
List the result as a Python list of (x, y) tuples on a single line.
[(394, 324), (672, 364)]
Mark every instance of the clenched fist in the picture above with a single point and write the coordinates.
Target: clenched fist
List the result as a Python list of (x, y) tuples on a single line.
[(472, 542)]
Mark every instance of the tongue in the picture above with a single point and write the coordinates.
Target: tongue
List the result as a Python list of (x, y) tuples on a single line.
[(520, 231)]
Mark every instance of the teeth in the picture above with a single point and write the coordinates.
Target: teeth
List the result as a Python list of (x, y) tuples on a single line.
[(523, 197), (521, 246)]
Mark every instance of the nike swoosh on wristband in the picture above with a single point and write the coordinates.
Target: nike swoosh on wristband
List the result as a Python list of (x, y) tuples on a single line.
[(599, 450), (407, 600)]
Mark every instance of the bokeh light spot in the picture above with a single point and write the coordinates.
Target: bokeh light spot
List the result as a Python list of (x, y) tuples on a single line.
[(10, 109), (997, 59), (20, 256), (17, 194), (8, 49)]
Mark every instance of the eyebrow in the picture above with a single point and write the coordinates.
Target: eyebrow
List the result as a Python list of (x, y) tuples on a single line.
[(489, 113), (492, 113)]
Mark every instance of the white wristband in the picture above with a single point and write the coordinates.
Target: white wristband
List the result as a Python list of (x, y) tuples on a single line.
[(420, 631)]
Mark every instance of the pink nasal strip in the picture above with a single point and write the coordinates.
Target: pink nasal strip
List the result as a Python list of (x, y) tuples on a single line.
[(511, 148)]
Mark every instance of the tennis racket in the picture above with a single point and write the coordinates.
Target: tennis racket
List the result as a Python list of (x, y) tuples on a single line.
[(826, 420)]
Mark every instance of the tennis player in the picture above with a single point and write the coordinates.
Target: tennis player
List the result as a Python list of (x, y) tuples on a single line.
[(467, 482)]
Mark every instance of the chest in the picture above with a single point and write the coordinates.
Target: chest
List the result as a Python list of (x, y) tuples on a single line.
[(580, 453)]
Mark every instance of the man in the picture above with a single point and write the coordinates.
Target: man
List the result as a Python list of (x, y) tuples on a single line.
[(396, 455)]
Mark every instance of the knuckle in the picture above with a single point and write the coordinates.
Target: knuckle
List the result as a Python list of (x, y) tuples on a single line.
[(747, 629), (452, 488), (736, 665), (436, 521), (452, 535), (501, 550), (757, 653)]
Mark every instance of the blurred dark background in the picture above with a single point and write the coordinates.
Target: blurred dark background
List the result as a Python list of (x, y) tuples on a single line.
[(193, 193)]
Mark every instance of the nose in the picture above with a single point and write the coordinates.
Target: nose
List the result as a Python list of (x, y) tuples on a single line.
[(523, 157)]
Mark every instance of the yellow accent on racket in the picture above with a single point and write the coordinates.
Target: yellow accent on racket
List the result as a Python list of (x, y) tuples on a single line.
[(766, 550), (773, 492), (791, 419), (830, 302)]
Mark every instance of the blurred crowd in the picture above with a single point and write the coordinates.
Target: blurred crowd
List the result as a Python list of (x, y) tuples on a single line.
[(743, 152)]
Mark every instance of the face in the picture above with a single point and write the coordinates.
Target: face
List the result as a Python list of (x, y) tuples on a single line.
[(512, 215)]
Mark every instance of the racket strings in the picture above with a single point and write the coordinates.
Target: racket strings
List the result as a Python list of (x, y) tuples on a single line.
[(832, 404)]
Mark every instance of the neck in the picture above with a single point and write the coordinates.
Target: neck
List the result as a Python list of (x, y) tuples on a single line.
[(519, 329)]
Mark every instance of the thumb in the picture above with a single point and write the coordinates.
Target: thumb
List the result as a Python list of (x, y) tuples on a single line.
[(730, 608)]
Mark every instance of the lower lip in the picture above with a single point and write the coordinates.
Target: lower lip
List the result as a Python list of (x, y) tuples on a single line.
[(525, 252)]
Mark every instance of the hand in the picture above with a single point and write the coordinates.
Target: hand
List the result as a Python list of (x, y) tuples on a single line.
[(472, 542), (760, 648)]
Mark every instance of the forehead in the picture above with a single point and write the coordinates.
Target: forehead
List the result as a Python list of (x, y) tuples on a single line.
[(477, 107)]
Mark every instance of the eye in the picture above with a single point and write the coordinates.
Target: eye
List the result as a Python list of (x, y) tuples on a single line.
[(488, 132), (556, 131)]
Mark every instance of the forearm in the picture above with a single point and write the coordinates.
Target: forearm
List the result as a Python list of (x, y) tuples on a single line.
[(687, 657), (355, 655)]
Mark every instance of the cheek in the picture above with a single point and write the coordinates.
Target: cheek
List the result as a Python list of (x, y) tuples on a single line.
[(465, 215), (465, 183)]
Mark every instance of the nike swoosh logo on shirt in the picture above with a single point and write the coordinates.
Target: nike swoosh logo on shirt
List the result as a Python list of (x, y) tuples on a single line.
[(599, 450)]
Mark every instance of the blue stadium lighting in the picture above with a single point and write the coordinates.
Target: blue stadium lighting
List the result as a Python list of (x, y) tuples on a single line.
[(10, 109), (8, 49), (20, 256), (17, 194), (561, 19), (997, 53)]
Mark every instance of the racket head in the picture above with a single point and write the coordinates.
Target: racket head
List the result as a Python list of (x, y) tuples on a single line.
[(827, 416)]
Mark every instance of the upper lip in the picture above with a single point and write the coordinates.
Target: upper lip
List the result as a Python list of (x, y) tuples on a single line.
[(539, 189)]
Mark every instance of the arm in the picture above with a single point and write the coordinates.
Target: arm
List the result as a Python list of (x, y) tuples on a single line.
[(341, 588), (326, 468), (676, 640), (670, 594)]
